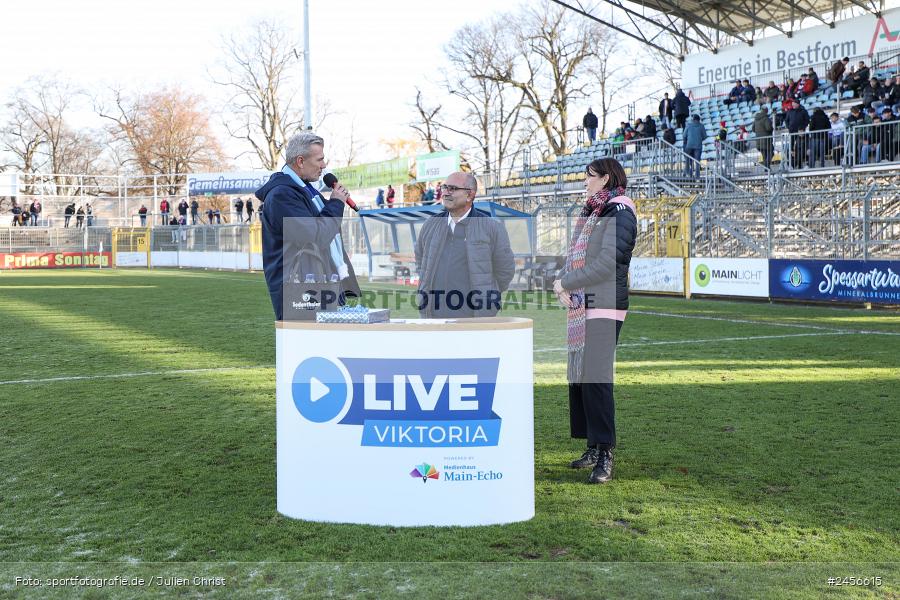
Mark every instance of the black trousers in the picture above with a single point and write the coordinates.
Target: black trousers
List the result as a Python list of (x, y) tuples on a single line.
[(592, 410)]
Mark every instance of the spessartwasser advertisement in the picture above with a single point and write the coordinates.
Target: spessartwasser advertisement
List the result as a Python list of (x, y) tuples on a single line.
[(876, 281)]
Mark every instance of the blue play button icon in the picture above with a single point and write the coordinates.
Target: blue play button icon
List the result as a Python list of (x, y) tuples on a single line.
[(319, 389)]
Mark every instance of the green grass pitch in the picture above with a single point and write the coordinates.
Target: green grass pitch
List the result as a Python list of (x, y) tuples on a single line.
[(757, 455)]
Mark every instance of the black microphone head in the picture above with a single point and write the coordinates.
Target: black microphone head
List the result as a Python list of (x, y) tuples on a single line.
[(329, 180)]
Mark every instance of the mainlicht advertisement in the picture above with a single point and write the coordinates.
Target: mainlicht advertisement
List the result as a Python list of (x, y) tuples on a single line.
[(747, 277)]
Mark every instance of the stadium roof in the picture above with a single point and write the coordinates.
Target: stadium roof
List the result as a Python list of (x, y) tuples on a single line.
[(742, 20)]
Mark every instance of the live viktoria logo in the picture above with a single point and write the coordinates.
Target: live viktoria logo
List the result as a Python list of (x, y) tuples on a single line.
[(433, 402)]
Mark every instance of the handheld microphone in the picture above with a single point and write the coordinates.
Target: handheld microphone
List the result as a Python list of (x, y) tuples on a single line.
[(330, 180)]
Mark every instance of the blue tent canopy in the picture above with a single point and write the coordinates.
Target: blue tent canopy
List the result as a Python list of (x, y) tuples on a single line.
[(404, 223)]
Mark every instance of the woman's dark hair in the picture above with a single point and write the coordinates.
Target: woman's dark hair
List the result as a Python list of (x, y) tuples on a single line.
[(611, 167)]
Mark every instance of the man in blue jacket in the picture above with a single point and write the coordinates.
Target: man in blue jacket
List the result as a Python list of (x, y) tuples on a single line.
[(694, 134), (301, 230)]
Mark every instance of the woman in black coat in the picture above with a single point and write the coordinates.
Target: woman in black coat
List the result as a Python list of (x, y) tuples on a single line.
[(594, 288)]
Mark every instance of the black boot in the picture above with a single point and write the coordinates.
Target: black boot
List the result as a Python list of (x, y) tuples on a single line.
[(588, 459), (603, 469)]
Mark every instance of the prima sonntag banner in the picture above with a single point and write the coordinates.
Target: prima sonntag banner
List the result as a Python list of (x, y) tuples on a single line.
[(656, 275), (413, 423), (850, 38), (875, 281), (730, 276)]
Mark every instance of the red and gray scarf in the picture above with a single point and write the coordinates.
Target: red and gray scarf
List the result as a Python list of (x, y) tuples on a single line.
[(584, 227)]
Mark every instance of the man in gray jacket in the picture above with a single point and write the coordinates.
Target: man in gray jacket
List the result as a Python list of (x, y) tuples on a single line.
[(463, 256), (762, 130)]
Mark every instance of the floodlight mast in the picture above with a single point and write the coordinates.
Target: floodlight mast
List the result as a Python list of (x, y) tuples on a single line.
[(307, 109)]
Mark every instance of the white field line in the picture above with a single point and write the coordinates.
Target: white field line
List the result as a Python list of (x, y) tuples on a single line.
[(711, 340), (751, 322), (138, 374), (723, 319)]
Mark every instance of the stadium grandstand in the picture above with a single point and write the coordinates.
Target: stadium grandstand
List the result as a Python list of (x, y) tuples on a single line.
[(803, 190)]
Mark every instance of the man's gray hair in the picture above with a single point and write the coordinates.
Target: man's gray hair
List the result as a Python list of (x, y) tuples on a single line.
[(471, 181), (299, 145)]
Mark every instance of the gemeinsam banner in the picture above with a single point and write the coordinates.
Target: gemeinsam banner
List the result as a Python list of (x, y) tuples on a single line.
[(875, 281)]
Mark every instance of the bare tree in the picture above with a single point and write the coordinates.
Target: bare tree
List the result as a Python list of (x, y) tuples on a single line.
[(612, 74), (544, 52), (259, 70), (492, 109), (425, 124), (40, 135), (21, 140), (165, 133)]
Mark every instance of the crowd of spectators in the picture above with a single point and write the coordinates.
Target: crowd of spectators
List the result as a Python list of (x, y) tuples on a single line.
[(817, 134)]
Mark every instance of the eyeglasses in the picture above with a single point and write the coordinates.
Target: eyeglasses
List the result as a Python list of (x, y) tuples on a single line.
[(449, 189)]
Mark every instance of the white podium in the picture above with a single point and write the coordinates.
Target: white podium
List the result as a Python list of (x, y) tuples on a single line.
[(415, 422)]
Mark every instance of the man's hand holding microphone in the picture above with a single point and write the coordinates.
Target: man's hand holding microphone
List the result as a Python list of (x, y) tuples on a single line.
[(338, 191)]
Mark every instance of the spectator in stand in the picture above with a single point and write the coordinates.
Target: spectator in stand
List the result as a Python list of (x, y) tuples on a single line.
[(806, 87), (797, 119), (79, 217), (195, 211), (639, 128), (741, 142), (35, 210), (735, 94), (210, 215), (142, 213), (814, 77), (762, 130), (439, 193), (772, 92), (857, 79), (669, 136), (873, 92), (722, 134), (67, 214), (238, 210), (790, 90), (218, 215), (379, 199), (89, 212), (590, 125), (856, 117), (681, 108), (836, 138), (429, 196), (761, 97), (836, 72), (892, 94), (650, 127), (870, 143), (694, 134), (888, 134), (819, 125), (164, 209), (249, 206), (665, 111), (390, 196), (16, 211), (183, 208), (748, 92)]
